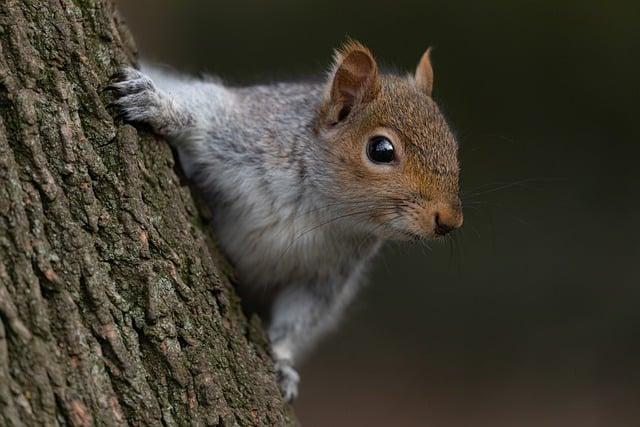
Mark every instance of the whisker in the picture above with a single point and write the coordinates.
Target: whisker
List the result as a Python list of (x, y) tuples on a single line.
[(504, 186), (325, 223)]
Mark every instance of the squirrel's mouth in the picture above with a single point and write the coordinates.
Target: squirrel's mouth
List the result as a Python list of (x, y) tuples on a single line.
[(397, 232), (408, 233)]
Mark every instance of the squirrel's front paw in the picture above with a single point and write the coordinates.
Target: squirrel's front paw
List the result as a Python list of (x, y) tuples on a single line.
[(288, 379), (137, 99)]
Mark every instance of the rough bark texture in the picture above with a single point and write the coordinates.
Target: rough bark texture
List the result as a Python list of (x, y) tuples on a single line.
[(113, 307)]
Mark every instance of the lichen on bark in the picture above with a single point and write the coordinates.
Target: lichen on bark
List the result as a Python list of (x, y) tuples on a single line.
[(114, 309)]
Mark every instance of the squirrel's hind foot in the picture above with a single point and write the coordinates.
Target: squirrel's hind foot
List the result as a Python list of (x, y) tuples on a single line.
[(288, 380)]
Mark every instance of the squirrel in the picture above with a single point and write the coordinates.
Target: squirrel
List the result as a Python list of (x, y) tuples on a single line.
[(306, 180)]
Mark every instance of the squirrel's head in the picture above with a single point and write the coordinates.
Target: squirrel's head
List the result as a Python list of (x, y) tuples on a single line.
[(393, 159)]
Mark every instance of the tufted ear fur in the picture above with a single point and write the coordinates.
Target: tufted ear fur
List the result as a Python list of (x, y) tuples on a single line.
[(353, 82), (424, 73)]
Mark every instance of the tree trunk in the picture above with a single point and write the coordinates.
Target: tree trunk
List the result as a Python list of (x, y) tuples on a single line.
[(115, 308)]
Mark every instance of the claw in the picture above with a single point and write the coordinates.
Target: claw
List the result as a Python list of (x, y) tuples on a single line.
[(109, 88), (118, 75)]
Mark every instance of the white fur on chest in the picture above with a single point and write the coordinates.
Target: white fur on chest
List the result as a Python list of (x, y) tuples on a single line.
[(279, 246)]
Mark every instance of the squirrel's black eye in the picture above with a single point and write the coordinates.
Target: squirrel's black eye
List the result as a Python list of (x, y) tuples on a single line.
[(380, 150)]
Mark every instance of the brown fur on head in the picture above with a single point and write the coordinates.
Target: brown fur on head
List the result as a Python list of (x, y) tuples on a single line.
[(416, 193)]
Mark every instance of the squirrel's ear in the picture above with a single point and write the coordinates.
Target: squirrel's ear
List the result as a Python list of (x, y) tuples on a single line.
[(424, 73), (354, 80)]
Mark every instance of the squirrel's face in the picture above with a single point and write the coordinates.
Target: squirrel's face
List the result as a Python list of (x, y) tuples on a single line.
[(391, 154)]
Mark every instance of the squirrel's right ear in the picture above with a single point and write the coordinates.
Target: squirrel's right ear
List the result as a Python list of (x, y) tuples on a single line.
[(424, 73), (354, 80)]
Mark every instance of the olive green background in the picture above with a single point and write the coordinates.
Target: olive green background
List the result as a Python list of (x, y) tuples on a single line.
[(531, 315)]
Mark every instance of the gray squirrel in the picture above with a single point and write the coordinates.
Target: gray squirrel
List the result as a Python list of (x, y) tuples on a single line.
[(306, 180)]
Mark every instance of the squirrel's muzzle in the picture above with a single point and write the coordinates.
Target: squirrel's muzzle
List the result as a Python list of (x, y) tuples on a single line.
[(442, 217)]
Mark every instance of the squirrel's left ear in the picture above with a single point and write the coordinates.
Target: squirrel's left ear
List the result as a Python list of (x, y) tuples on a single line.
[(354, 80), (424, 73)]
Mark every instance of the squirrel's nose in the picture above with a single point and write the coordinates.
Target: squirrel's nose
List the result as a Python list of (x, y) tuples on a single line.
[(447, 218)]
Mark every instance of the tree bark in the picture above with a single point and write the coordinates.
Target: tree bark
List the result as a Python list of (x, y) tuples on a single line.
[(115, 308)]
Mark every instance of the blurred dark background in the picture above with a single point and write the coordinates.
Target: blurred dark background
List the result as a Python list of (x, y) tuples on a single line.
[(531, 317)]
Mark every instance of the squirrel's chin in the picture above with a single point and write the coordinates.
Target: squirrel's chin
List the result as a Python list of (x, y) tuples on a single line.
[(400, 235)]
